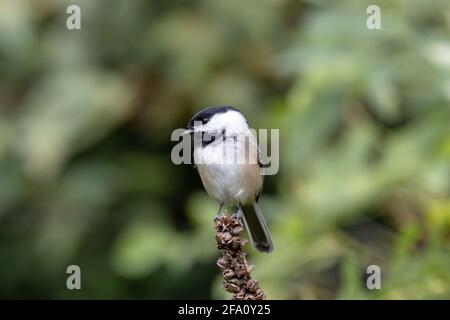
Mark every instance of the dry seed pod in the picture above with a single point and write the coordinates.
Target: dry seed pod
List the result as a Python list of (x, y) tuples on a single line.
[(233, 262)]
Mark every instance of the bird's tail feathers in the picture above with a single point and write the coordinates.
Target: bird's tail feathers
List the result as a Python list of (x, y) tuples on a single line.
[(257, 228)]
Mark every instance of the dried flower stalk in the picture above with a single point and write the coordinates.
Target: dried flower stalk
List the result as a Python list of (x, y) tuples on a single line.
[(236, 271)]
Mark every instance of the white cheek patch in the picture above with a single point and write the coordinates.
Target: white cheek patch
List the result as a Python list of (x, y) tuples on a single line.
[(223, 149), (232, 121)]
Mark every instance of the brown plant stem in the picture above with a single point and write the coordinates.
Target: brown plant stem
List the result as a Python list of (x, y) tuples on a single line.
[(236, 272)]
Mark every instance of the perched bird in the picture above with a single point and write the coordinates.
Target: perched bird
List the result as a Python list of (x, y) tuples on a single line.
[(227, 159)]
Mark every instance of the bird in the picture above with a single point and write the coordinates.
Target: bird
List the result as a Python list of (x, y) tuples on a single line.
[(225, 135)]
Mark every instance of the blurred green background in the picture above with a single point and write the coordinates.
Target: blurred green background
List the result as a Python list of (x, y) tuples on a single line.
[(85, 124)]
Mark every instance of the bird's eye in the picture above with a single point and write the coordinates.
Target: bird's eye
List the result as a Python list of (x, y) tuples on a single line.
[(205, 120)]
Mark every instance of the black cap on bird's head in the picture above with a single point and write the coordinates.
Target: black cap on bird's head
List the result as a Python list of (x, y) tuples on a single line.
[(206, 114)]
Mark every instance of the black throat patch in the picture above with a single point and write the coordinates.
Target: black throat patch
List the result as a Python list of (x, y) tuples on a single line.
[(208, 138)]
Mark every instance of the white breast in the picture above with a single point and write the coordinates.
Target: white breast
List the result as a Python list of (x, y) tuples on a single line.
[(224, 179)]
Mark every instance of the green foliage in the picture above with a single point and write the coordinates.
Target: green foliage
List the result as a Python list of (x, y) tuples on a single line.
[(85, 124)]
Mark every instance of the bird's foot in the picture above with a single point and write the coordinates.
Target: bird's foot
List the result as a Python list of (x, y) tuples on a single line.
[(218, 213), (237, 215)]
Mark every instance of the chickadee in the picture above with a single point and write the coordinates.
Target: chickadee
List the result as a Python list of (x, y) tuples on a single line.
[(225, 134)]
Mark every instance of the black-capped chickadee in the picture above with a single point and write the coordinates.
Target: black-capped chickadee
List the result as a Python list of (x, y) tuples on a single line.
[(227, 159)]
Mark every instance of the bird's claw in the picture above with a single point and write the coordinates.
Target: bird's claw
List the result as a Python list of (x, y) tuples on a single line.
[(236, 215)]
